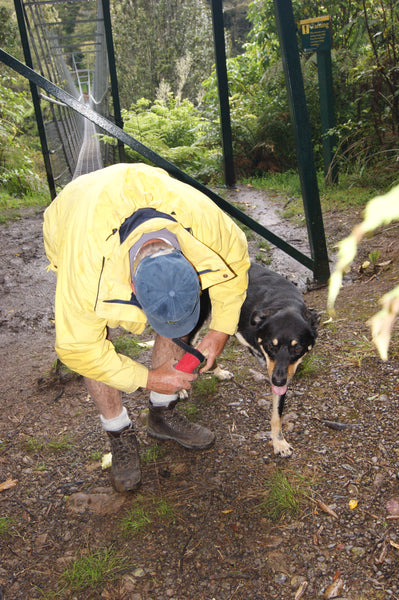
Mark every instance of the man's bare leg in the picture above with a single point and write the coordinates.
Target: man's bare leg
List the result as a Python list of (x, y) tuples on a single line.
[(107, 399), (125, 471), (165, 349)]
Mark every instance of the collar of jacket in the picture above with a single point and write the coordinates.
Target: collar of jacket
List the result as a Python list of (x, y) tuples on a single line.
[(115, 300)]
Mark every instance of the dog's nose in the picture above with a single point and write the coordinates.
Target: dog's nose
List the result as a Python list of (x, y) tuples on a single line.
[(279, 375), (279, 379)]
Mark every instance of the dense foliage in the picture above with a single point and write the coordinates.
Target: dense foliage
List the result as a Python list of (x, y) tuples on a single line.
[(18, 168), (365, 73), (178, 132), (161, 42)]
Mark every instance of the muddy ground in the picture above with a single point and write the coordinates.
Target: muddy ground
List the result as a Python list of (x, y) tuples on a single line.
[(201, 526)]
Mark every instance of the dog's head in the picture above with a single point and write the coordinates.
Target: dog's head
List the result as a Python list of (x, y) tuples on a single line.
[(281, 339)]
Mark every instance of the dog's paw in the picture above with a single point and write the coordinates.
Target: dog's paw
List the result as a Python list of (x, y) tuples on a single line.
[(182, 395), (282, 448), (222, 374)]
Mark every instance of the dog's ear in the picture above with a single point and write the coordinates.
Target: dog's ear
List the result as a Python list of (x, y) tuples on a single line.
[(259, 317), (312, 317)]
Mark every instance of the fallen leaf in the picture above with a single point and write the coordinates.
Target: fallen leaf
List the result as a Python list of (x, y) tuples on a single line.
[(392, 506), (226, 512), (301, 590), (394, 544), (326, 508), (352, 504), (333, 590), (9, 483)]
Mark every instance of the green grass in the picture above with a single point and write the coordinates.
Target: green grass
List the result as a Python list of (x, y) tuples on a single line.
[(152, 454), (263, 244), (190, 409), (34, 445), (95, 456), (284, 496), (263, 258), (60, 445), (350, 191), (145, 510), (204, 387), (359, 349), (41, 467), (95, 569), (126, 344), (311, 364), (135, 521), (11, 204), (6, 526)]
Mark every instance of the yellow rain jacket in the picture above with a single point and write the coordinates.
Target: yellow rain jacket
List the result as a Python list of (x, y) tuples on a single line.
[(88, 231)]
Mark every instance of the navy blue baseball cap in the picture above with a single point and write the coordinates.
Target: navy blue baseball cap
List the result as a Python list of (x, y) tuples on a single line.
[(168, 290)]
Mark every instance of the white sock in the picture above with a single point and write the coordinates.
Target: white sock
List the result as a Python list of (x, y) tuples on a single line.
[(162, 399), (117, 423)]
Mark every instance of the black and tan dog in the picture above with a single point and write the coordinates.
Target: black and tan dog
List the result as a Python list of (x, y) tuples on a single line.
[(279, 330)]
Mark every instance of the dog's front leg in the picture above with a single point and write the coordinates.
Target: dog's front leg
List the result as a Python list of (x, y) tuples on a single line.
[(280, 446)]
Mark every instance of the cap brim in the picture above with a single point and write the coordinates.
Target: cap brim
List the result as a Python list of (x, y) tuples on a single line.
[(177, 329)]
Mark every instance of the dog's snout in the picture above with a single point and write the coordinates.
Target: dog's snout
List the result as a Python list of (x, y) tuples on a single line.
[(279, 377), (280, 371)]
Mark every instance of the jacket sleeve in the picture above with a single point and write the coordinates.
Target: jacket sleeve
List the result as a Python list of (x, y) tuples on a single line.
[(227, 298), (218, 231), (82, 345)]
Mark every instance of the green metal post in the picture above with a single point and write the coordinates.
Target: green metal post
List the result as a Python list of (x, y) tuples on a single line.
[(112, 74), (35, 98), (220, 57), (327, 113), (307, 170)]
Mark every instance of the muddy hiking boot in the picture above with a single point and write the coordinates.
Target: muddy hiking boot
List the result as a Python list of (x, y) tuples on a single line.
[(166, 423), (125, 470)]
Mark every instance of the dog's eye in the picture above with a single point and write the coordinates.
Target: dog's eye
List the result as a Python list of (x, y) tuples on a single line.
[(297, 349)]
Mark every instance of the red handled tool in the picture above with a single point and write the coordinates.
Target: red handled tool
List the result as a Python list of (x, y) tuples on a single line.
[(191, 359)]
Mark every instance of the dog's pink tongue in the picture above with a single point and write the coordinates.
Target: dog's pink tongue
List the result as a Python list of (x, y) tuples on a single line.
[(279, 390)]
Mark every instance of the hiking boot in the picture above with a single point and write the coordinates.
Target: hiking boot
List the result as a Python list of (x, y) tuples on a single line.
[(125, 470), (166, 423)]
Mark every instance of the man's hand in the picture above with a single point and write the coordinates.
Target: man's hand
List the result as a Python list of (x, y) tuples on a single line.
[(211, 346), (165, 379)]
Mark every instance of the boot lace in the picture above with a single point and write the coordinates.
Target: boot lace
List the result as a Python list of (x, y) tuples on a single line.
[(176, 420), (124, 448)]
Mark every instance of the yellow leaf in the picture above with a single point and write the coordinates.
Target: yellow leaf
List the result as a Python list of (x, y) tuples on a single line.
[(352, 504), (106, 460)]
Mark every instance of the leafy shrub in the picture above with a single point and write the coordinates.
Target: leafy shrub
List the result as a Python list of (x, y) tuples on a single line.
[(178, 132), (18, 172)]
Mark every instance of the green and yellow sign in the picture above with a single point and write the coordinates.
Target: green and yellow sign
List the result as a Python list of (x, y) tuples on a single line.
[(315, 34)]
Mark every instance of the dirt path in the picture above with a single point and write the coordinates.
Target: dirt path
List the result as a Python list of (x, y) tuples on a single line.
[(206, 535)]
